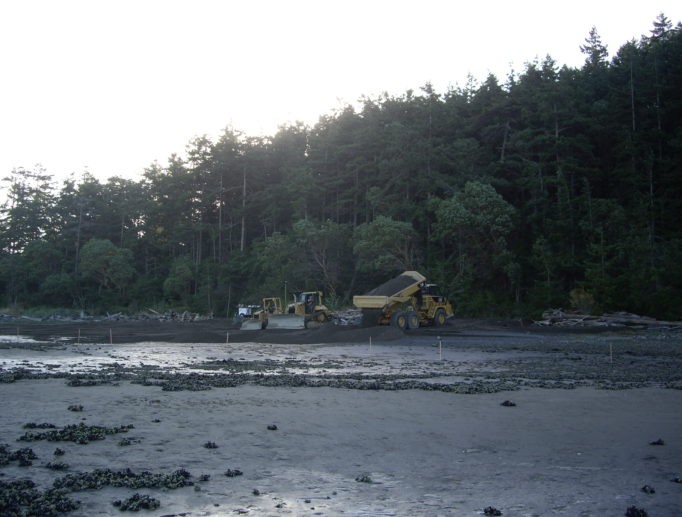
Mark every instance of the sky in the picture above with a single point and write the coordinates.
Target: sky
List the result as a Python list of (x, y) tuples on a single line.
[(109, 87)]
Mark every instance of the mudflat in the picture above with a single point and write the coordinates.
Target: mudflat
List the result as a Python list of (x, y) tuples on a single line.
[(472, 419)]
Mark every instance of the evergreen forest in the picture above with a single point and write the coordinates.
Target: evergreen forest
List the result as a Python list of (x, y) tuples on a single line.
[(553, 187)]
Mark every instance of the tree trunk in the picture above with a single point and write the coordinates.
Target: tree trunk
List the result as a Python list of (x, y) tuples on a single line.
[(242, 241), (220, 222)]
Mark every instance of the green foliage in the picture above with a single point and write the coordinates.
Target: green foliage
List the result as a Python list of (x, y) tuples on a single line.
[(385, 246), (581, 300), (325, 252), (478, 215), (278, 262), (41, 311), (473, 225), (178, 284), (59, 289), (25, 214), (106, 264), (510, 196)]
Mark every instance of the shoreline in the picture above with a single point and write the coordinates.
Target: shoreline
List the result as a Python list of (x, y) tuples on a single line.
[(409, 426)]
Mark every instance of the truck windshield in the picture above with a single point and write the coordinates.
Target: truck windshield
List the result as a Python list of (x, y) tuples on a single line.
[(308, 298)]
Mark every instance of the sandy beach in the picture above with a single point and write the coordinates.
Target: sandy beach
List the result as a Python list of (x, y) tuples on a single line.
[(410, 425)]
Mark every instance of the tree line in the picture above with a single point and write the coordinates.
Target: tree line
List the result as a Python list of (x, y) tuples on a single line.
[(556, 186)]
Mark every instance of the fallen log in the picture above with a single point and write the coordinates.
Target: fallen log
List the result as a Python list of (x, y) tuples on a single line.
[(561, 318)]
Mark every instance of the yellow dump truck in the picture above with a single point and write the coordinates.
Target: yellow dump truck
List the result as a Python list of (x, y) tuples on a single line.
[(406, 301)]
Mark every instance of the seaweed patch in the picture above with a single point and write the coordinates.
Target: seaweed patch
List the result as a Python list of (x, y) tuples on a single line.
[(77, 433), (100, 478)]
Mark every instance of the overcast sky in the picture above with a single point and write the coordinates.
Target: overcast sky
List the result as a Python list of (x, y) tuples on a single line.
[(111, 86)]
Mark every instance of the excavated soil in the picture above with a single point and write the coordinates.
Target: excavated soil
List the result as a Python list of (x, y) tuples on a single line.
[(220, 330), (207, 331), (393, 286)]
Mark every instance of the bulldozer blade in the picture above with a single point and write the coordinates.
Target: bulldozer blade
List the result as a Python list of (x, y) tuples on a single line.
[(286, 321), (254, 324)]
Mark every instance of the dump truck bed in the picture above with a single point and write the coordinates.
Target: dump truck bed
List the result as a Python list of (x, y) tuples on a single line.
[(398, 289)]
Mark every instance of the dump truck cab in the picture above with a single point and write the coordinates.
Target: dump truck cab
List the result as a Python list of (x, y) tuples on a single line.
[(433, 307)]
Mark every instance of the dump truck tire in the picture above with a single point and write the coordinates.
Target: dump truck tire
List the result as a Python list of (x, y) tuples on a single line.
[(439, 318), (399, 319), (412, 320)]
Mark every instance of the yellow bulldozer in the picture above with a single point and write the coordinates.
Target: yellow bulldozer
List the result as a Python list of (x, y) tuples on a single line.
[(306, 311), (260, 318), (406, 301), (308, 305)]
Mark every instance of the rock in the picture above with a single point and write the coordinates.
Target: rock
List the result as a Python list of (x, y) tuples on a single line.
[(633, 511), (21, 498), (45, 425), (508, 403), (57, 465), (272, 427), (100, 478), (137, 502), (80, 433), (647, 489), (657, 442), (491, 511)]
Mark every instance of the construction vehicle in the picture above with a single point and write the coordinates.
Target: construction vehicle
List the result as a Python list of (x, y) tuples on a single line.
[(308, 305), (406, 301), (247, 311), (306, 311), (261, 318)]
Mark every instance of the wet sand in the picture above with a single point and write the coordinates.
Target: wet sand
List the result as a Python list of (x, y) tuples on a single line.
[(395, 414)]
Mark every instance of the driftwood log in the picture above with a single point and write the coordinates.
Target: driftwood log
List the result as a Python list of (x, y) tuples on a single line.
[(565, 318)]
